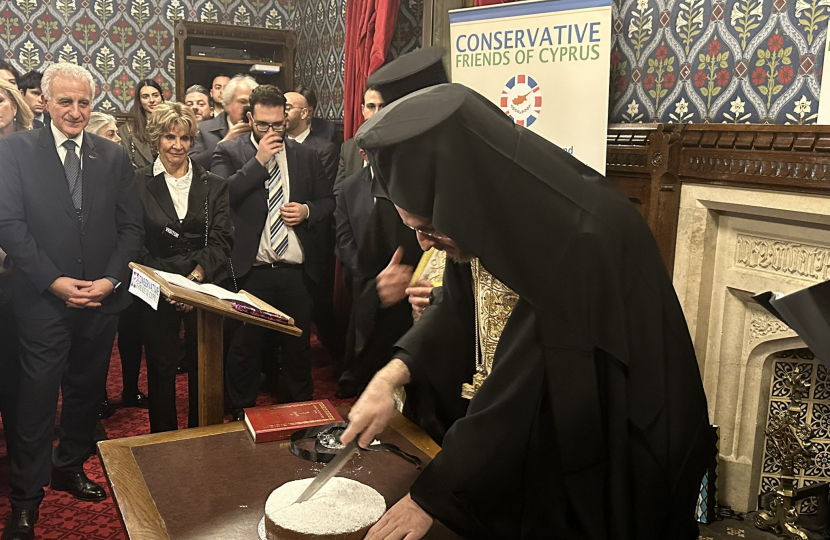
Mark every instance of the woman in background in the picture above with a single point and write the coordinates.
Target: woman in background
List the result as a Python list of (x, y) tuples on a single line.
[(15, 115), (187, 231), (133, 136), (133, 133), (103, 125)]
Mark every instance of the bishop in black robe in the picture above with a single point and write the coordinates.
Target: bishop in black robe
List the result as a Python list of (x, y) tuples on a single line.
[(593, 421)]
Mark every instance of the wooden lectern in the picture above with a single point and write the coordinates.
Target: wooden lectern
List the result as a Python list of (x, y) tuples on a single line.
[(209, 313)]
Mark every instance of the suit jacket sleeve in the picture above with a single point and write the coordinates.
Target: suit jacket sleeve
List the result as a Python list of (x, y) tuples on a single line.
[(128, 221), (241, 181), (341, 171), (346, 245), (330, 157), (15, 237), (200, 153), (214, 256), (321, 205)]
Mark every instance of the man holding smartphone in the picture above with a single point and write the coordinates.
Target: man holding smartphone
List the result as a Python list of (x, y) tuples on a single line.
[(280, 204)]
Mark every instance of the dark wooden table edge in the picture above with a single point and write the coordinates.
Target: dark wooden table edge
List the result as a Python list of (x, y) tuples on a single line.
[(136, 509)]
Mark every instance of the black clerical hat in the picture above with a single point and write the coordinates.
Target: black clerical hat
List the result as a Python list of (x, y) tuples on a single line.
[(412, 71), (410, 116)]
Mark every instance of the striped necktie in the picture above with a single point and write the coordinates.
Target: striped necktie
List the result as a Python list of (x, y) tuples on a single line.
[(72, 168), (276, 199)]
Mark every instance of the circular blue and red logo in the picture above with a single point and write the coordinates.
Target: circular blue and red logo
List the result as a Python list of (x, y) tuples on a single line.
[(521, 100)]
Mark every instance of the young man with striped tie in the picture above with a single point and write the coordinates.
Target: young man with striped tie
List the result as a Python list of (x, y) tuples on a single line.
[(280, 204)]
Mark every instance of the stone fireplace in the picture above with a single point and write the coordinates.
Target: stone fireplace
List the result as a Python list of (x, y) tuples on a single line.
[(731, 243)]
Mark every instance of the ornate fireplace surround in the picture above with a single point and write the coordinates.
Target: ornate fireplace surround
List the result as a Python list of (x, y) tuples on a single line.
[(735, 210)]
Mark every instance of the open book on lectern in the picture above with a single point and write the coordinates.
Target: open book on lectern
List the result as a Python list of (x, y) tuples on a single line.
[(144, 284), (807, 312), (239, 301)]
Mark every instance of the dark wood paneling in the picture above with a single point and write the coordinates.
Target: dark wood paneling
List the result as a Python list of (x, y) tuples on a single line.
[(650, 163), (281, 45)]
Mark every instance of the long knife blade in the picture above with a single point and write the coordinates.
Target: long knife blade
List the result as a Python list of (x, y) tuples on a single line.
[(328, 472)]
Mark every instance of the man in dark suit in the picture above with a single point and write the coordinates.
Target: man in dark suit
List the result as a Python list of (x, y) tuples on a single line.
[(354, 205), (277, 253), (299, 110), (29, 86), (216, 89), (226, 126), (70, 221), (350, 159), (388, 251)]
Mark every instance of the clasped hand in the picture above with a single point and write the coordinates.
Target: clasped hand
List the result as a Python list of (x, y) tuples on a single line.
[(293, 213), (81, 294)]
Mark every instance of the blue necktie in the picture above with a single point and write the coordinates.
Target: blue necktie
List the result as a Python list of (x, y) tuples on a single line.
[(72, 167)]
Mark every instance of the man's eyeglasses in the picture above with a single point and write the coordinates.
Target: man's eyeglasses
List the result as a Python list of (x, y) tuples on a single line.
[(265, 126), (432, 234)]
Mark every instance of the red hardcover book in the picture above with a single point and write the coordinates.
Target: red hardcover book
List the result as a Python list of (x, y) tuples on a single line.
[(278, 422)]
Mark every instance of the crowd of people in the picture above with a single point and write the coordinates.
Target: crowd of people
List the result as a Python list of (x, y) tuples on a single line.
[(230, 186), (236, 187)]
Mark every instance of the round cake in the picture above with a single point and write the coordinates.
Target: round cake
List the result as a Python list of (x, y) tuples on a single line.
[(343, 509)]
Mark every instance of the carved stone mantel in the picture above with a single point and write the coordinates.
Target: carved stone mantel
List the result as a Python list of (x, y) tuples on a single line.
[(733, 242)]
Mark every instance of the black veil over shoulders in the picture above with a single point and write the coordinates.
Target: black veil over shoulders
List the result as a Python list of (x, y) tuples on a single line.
[(615, 367)]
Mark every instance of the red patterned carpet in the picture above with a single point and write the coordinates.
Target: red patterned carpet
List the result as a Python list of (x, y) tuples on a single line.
[(65, 518)]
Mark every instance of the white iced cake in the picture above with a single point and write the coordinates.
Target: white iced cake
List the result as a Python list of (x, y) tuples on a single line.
[(343, 509)]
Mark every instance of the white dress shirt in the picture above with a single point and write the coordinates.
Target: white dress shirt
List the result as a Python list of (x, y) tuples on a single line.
[(302, 136), (60, 138), (179, 188), (265, 254)]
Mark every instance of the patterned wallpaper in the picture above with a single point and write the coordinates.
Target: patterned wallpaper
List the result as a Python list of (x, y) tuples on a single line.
[(732, 61), (122, 41), (408, 28), (738, 61)]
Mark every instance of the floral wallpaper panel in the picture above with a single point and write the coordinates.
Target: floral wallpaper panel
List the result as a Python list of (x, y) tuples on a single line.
[(122, 41), (732, 61)]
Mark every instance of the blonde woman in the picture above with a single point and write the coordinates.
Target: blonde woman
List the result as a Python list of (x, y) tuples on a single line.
[(188, 231), (15, 115)]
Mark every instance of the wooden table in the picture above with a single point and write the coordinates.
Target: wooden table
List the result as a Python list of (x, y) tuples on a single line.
[(168, 486), (210, 313)]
